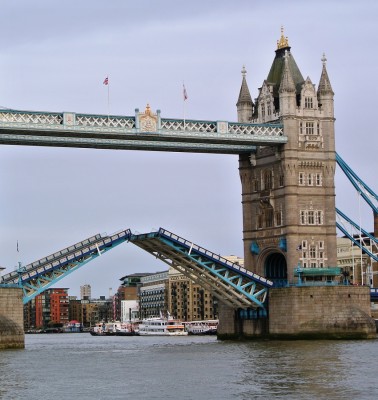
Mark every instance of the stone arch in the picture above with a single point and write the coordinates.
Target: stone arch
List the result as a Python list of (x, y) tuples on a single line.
[(275, 268)]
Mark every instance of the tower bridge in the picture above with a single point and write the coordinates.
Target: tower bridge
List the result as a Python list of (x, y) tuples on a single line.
[(285, 140)]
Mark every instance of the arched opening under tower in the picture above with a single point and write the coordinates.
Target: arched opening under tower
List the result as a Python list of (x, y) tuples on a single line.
[(276, 269)]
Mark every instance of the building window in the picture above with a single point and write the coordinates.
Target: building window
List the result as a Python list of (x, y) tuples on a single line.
[(281, 180), (278, 218), (309, 102), (300, 128), (318, 179), (310, 219), (259, 221), (319, 217), (301, 178), (262, 110), (269, 217), (310, 179), (312, 251), (267, 180), (303, 217), (309, 128)]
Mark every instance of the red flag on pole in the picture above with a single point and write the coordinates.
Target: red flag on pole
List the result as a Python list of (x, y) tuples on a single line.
[(184, 93), (106, 81)]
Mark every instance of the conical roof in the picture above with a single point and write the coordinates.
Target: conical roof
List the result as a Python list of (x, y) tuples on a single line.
[(287, 83), (244, 94), (275, 74), (324, 83)]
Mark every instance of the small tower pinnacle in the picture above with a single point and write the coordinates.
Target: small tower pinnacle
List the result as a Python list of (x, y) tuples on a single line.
[(287, 82), (324, 60), (245, 103), (244, 71), (324, 83)]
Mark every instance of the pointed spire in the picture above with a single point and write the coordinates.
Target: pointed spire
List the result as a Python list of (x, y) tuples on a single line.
[(287, 82), (324, 83), (244, 95)]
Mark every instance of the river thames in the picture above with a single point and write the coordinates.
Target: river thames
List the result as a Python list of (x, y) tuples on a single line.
[(67, 366)]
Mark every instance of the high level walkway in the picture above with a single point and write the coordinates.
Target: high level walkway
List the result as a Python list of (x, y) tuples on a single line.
[(38, 276), (144, 131)]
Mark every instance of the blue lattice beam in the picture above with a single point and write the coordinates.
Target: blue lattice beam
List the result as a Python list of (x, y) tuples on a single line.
[(231, 283), (38, 276)]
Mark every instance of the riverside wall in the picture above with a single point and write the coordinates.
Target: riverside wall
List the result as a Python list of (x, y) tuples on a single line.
[(326, 312), (11, 318)]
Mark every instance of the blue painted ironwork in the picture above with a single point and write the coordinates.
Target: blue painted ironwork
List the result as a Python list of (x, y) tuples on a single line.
[(374, 294), (358, 241), (283, 244), (255, 249), (128, 133), (362, 188), (228, 281), (38, 276)]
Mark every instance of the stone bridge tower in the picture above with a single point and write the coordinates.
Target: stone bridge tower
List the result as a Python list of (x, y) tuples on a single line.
[(288, 191)]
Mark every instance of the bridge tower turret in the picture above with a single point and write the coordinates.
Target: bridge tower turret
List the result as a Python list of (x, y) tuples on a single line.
[(288, 191), (245, 103)]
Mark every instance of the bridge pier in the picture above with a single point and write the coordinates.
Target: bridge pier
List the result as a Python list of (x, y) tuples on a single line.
[(318, 312), (11, 318)]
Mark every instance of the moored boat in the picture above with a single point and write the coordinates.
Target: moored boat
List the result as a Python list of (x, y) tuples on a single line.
[(126, 330), (105, 329), (161, 327), (207, 327)]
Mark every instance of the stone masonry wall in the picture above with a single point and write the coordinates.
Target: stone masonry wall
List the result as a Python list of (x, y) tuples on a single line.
[(335, 312), (11, 319)]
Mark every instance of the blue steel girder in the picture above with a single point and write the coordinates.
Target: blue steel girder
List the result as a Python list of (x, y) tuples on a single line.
[(362, 188), (39, 276), (229, 282), (359, 241)]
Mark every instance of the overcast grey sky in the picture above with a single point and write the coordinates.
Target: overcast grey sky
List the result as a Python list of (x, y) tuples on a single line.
[(55, 55)]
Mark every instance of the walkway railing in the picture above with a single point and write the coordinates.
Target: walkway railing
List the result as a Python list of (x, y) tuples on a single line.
[(144, 131)]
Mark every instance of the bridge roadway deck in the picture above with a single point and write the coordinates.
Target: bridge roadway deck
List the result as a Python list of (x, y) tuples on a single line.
[(130, 133), (36, 277), (233, 284)]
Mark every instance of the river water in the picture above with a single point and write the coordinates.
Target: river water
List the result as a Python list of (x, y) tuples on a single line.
[(81, 366)]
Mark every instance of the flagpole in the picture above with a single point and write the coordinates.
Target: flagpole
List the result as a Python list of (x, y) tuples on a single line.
[(108, 98), (185, 96), (106, 83)]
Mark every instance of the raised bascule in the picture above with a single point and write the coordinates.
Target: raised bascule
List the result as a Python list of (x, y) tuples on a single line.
[(290, 285)]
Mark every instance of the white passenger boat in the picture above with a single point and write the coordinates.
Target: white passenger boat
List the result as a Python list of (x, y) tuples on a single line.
[(208, 327), (161, 327)]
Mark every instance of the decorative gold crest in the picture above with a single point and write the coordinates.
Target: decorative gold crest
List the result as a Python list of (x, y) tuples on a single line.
[(148, 120), (284, 41)]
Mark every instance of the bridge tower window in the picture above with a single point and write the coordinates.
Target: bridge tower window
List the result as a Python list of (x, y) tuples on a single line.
[(309, 128), (267, 180), (309, 102), (319, 179), (301, 178), (269, 217)]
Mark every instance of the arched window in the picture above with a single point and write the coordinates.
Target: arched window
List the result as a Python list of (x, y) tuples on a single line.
[(267, 177)]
